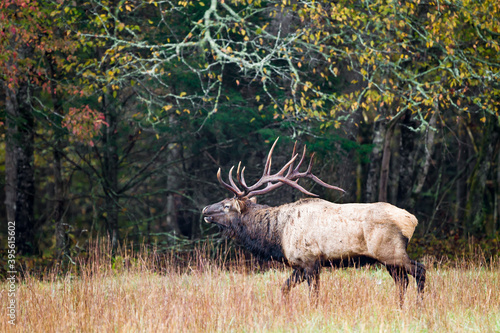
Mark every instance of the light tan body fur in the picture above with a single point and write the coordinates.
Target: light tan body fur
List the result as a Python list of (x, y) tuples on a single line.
[(320, 229)]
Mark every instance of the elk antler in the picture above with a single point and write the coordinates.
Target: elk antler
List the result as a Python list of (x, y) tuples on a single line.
[(276, 180)]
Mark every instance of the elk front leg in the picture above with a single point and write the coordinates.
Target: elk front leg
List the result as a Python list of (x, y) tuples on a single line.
[(312, 278), (311, 275), (298, 276)]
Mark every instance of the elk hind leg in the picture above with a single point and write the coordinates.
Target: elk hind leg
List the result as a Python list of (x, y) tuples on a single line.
[(400, 277)]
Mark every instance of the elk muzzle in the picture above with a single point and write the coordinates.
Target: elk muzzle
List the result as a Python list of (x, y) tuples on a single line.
[(212, 213), (207, 219)]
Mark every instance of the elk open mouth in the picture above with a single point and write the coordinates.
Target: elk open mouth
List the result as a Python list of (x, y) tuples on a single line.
[(214, 219), (211, 219)]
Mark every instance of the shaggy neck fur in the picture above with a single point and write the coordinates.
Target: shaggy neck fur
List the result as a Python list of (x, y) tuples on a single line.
[(258, 230)]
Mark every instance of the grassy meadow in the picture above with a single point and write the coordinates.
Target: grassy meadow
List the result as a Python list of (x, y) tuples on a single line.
[(145, 293)]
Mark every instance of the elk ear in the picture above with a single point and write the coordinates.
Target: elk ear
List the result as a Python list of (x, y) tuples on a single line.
[(253, 200), (240, 206)]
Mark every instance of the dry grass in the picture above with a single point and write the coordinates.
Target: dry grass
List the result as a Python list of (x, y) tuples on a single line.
[(209, 297)]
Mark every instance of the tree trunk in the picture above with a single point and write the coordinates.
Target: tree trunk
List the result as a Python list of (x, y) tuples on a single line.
[(10, 155), (384, 166), (497, 195), (386, 159), (394, 175), (406, 162), (375, 157), (20, 176), (475, 215), (174, 184), (428, 151), (59, 199), (59, 202), (110, 174), (461, 185)]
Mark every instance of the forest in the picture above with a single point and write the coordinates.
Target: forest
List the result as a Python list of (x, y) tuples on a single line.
[(117, 114)]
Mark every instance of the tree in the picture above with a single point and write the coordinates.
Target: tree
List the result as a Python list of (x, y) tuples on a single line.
[(18, 32), (137, 102), (35, 49)]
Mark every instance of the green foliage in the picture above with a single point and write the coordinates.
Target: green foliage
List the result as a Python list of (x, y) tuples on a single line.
[(454, 248)]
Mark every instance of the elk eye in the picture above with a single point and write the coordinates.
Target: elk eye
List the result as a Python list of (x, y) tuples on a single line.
[(227, 206)]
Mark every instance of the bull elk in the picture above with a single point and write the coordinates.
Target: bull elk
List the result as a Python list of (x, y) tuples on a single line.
[(311, 233)]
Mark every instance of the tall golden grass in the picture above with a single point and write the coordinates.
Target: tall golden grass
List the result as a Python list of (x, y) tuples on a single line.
[(145, 292)]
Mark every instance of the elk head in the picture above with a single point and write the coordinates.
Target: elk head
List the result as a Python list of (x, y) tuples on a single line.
[(225, 212)]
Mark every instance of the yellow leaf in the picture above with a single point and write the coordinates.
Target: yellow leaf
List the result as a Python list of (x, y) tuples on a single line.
[(483, 120), (183, 94), (261, 107)]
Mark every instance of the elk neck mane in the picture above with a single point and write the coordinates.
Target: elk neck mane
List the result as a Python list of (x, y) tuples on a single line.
[(260, 231)]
